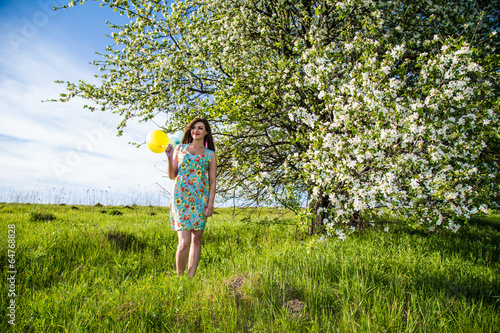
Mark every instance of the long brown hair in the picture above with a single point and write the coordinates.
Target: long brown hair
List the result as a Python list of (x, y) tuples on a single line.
[(207, 141)]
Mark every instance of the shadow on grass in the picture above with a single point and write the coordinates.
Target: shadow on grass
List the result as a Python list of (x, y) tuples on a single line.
[(476, 241), (477, 244), (490, 221), (125, 241)]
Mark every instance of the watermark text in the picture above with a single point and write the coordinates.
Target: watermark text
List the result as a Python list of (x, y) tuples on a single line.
[(11, 273)]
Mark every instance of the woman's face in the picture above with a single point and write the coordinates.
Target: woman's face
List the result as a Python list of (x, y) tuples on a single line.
[(198, 130)]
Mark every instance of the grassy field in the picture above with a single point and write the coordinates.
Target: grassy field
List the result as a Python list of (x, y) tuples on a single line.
[(111, 269)]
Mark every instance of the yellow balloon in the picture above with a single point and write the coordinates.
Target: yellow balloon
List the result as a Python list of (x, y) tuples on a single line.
[(157, 141)]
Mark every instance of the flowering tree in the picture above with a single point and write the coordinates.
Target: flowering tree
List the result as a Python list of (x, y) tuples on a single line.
[(356, 104)]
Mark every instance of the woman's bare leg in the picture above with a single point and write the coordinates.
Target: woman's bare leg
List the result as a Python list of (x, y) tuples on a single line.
[(182, 255), (195, 252)]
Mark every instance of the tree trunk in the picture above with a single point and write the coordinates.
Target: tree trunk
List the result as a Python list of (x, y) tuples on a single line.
[(356, 220), (317, 225), (317, 221)]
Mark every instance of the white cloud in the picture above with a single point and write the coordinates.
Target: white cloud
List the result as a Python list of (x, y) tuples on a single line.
[(62, 144)]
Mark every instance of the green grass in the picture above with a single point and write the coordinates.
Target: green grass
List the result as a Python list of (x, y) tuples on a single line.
[(111, 269)]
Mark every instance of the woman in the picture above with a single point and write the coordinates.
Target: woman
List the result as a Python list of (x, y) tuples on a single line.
[(193, 165)]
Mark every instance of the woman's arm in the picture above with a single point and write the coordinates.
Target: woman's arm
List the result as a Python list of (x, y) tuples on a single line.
[(172, 169), (212, 175)]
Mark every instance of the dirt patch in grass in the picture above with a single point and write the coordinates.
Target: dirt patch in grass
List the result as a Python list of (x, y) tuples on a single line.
[(239, 285), (236, 284), (126, 310), (295, 308)]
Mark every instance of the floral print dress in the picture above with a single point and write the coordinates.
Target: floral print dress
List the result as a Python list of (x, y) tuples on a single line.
[(190, 196)]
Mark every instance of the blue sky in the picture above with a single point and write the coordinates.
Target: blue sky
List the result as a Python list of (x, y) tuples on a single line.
[(49, 148)]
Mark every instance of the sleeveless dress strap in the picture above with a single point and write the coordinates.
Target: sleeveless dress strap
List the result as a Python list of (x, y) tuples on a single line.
[(208, 153)]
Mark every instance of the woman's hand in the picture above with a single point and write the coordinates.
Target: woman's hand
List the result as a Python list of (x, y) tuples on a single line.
[(171, 161), (209, 211), (169, 149)]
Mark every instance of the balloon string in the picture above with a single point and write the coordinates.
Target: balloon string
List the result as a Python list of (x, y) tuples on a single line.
[(187, 183)]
